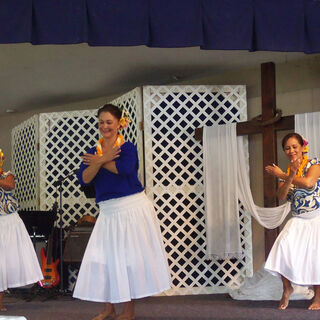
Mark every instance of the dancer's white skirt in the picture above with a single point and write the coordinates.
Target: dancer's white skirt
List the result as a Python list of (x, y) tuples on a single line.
[(19, 264), (296, 252), (124, 258)]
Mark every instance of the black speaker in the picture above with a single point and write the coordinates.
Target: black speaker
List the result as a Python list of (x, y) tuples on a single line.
[(76, 244)]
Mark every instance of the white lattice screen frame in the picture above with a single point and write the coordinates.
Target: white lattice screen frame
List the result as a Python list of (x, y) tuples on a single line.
[(178, 195), (25, 162), (153, 96)]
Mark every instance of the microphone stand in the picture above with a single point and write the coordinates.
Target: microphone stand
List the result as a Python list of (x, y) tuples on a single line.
[(58, 184)]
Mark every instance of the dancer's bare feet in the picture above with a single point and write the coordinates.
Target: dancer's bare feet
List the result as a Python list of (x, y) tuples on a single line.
[(315, 305), (128, 311), (3, 308), (284, 302), (108, 313)]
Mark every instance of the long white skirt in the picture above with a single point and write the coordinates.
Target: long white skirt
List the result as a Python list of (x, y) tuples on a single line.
[(296, 252), (124, 258), (19, 264)]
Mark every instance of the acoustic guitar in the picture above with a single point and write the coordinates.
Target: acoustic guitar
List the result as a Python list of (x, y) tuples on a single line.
[(49, 268)]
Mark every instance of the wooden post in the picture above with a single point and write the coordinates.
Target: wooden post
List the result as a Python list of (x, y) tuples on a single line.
[(268, 98)]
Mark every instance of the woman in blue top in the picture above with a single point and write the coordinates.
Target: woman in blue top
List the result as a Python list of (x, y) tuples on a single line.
[(19, 264), (295, 255), (125, 258)]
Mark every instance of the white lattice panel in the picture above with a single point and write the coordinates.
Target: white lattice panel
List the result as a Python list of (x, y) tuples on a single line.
[(174, 180), (25, 163), (64, 136)]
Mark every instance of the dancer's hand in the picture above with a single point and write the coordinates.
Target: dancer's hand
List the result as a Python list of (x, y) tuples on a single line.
[(96, 159), (274, 170), (294, 166)]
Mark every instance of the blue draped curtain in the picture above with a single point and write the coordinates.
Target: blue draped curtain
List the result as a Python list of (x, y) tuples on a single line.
[(274, 25)]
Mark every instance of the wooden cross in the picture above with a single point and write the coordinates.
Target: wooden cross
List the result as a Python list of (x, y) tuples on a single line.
[(271, 122)]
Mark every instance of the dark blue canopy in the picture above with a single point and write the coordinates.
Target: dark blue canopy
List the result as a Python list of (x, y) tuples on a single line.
[(274, 25)]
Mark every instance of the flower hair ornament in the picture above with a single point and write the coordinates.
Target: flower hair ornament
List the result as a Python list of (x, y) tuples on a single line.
[(305, 145), (125, 119), (1, 161)]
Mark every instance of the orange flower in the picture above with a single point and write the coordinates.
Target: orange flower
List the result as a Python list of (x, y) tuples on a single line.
[(123, 123), (125, 119)]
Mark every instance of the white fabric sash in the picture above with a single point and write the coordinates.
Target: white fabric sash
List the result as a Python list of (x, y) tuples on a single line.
[(269, 218)]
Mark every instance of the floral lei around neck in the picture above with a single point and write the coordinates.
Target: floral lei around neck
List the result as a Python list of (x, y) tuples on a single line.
[(119, 142), (301, 168)]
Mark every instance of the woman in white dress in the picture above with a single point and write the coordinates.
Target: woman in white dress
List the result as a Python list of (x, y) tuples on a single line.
[(295, 255), (124, 259), (19, 264)]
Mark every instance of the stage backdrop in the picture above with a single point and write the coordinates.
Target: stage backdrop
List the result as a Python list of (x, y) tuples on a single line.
[(274, 25), (171, 167)]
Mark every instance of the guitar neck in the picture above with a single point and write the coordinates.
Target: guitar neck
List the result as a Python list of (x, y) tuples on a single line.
[(49, 247)]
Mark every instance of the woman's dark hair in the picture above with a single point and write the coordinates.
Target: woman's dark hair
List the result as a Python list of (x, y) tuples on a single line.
[(292, 135), (114, 110)]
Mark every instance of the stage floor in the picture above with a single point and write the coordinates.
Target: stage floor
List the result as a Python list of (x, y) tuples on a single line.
[(220, 307)]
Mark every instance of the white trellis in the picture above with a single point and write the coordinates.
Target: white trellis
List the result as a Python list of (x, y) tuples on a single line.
[(170, 163), (174, 180), (25, 162)]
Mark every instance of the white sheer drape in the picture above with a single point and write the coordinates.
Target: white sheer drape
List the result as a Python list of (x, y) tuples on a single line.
[(221, 192), (227, 181)]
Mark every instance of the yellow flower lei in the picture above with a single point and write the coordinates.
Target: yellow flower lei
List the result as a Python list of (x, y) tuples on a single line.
[(301, 168), (119, 142)]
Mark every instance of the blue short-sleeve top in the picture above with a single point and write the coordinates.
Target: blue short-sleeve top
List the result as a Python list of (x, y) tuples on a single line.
[(109, 185)]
